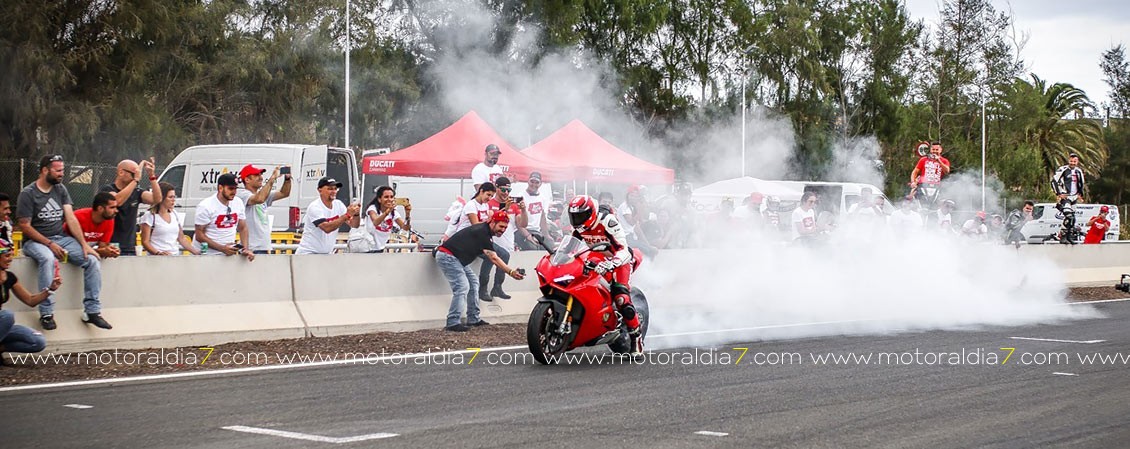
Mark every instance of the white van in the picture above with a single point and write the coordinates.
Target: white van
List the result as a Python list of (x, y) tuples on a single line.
[(1047, 220), (837, 197), (195, 170)]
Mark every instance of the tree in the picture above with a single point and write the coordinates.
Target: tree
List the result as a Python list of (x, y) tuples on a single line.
[(1060, 128)]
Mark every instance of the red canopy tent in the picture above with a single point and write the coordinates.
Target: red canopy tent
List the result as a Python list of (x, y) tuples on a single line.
[(454, 151), (594, 159)]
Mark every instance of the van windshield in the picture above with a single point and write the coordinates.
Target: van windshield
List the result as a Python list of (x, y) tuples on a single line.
[(339, 168)]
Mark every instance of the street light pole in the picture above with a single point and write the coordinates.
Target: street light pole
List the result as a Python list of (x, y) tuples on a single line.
[(743, 121), (348, 48), (745, 78)]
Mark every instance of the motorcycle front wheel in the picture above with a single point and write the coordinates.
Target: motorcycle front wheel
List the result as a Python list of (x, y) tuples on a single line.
[(541, 336)]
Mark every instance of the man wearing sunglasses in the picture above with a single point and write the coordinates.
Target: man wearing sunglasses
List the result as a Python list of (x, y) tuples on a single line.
[(41, 210), (219, 218), (129, 195)]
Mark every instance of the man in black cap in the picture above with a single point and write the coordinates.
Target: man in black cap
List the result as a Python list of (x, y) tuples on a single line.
[(488, 170), (218, 219), (324, 217)]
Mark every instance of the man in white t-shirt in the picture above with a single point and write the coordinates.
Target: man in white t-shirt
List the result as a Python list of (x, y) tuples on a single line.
[(324, 216), (942, 220), (219, 218), (257, 196), (905, 219), (804, 218), (488, 170), (536, 205), (975, 227)]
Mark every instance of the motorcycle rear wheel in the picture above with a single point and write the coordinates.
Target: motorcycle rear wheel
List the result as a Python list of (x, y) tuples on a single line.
[(540, 338)]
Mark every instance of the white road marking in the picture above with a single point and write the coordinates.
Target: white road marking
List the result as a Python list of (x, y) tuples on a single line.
[(1065, 374), (711, 434), (1053, 340), (1096, 302), (79, 406), (309, 437), (249, 369)]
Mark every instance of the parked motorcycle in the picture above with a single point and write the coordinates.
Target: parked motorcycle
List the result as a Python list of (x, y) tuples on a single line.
[(576, 308)]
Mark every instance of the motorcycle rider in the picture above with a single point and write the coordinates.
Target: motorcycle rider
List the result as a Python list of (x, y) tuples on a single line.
[(930, 169), (596, 225), (1068, 182)]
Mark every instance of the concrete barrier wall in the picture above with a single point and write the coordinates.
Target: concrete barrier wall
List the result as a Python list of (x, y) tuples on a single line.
[(352, 293), (164, 301), (186, 301)]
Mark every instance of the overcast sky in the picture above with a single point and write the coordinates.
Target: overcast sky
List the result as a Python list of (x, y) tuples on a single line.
[(1065, 38)]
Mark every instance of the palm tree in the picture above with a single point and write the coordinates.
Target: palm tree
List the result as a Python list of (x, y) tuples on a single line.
[(1061, 129)]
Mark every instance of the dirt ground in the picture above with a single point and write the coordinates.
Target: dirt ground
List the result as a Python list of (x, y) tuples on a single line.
[(107, 364)]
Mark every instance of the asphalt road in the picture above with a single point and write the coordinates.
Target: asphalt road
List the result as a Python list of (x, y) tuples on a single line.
[(932, 401)]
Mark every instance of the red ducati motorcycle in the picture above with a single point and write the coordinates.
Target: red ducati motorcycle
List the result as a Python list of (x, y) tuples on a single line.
[(576, 307)]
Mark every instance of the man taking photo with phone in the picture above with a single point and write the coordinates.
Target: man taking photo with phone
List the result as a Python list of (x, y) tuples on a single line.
[(257, 196)]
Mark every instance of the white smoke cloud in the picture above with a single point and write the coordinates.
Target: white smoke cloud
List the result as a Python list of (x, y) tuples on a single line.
[(868, 280)]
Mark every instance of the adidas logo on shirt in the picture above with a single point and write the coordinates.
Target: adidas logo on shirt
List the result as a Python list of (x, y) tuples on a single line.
[(51, 211)]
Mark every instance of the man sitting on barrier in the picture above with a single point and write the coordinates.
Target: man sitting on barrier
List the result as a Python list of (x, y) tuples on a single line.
[(41, 210), (454, 258), (219, 218)]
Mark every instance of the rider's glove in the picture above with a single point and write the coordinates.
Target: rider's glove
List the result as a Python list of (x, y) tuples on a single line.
[(604, 267)]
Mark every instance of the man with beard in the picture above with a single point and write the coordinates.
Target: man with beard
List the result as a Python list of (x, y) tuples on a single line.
[(488, 170), (454, 257), (97, 222), (219, 218), (41, 210)]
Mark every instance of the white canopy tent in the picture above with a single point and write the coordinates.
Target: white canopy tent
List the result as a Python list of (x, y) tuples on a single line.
[(708, 197)]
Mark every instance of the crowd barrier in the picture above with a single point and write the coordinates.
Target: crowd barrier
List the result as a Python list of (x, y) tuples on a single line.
[(205, 301)]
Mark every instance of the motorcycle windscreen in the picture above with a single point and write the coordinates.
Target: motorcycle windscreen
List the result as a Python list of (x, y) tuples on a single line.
[(567, 250)]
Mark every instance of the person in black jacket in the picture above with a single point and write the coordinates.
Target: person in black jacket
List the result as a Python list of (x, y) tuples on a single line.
[(454, 257)]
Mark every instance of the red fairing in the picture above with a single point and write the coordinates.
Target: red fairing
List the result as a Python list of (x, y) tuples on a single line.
[(589, 294)]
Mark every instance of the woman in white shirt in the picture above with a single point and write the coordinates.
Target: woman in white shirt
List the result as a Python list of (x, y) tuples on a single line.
[(381, 215), (161, 231)]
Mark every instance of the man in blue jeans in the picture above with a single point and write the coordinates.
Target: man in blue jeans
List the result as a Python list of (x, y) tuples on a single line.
[(41, 209), (454, 257)]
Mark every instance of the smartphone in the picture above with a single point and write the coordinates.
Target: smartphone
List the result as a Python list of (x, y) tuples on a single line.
[(518, 199), (401, 201), (238, 246), (284, 170)]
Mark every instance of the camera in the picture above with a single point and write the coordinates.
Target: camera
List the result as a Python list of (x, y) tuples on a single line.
[(1124, 285)]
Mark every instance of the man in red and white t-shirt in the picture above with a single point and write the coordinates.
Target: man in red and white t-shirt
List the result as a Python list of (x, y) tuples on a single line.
[(537, 205), (324, 217), (503, 244), (488, 170), (1099, 225), (97, 224), (804, 218), (219, 218), (931, 168)]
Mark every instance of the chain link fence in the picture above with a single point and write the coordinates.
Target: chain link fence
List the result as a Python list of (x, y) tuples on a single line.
[(83, 179)]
